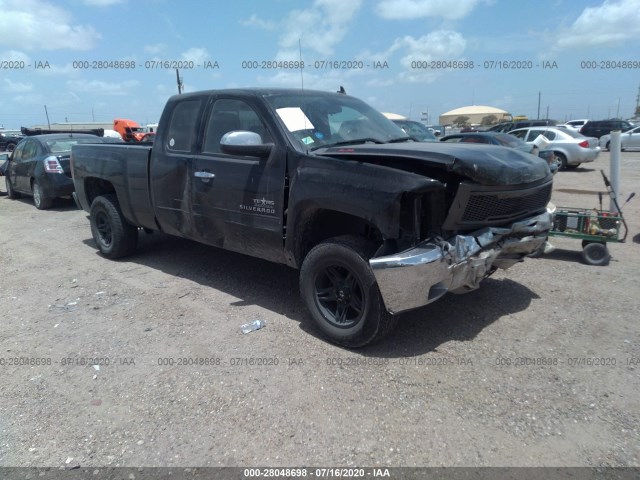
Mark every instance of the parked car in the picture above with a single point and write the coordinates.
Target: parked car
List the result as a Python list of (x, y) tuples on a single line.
[(4, 161), (508, 126), (9, 139), (493, 138), (628, 139), (571, 148), (506, 140), (416, 130), (598, 128), (39, 166), (575, 124)]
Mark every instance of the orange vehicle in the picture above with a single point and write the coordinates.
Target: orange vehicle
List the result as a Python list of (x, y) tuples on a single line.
[(131, 131)]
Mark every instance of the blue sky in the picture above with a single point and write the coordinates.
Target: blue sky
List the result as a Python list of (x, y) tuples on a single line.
[(394, 34)]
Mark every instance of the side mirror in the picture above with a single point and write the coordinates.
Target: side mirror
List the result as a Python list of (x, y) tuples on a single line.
[(245, 143)]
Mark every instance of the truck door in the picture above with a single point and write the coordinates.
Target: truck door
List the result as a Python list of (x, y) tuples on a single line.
[(237, 201), (170, 166)]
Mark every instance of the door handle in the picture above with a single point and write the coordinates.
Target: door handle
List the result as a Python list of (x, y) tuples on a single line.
[(204, 175)]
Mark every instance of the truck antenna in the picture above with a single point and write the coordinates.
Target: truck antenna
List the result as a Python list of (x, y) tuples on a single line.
[(179, 80), (301, 65)]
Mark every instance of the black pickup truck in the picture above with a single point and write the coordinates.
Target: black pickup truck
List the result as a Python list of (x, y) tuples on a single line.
[(376, 223)]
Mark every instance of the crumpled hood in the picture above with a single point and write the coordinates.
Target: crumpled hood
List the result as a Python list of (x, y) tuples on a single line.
[(484, 164)]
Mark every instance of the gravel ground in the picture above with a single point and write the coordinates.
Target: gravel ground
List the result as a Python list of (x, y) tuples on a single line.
[(539, 367)]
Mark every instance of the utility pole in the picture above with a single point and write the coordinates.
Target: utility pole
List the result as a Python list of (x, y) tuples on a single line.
[(47, 113), (539, 94), (618, 109)]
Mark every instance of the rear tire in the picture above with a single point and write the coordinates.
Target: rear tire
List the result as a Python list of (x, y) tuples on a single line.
[(40, 200), (596, 254), (11, 193), (341, 293), (562, 159), (114, 236)]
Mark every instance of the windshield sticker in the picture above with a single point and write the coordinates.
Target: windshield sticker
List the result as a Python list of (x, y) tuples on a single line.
[(307, 140), (294, 119)]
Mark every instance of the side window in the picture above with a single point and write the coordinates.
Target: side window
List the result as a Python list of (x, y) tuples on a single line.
[(17, 153), (182, 129), (521, 134), (549, 134), (228, 115), (533, 134), (29, 151)]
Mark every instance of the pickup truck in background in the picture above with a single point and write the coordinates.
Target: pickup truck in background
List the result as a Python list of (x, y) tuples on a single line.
[(376, 223)]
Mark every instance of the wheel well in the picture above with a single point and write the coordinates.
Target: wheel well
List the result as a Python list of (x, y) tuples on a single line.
[(319, 225), (94, 187)]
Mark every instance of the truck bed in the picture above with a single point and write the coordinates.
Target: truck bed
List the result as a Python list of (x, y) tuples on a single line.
[(126, 168)]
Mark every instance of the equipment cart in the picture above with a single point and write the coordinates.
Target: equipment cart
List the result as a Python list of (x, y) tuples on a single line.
[(595, 227)]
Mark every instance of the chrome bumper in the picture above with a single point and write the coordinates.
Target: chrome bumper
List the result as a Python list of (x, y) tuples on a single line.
[(422, 274)]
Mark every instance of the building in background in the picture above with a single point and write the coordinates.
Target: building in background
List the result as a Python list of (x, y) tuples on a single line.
[(474, 115)]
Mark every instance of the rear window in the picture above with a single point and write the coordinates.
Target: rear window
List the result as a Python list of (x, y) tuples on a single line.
[(509, 140), (182, 129), (573, 133), (63, 145)]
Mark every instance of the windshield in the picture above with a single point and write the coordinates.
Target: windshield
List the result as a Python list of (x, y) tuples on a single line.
[(323, 120), (416, 130), (509, 140)]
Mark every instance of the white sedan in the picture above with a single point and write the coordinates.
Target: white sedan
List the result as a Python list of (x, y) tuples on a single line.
[(571, 148), (628, 139)]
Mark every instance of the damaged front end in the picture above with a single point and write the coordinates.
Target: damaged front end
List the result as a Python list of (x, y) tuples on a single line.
[(424, 273)]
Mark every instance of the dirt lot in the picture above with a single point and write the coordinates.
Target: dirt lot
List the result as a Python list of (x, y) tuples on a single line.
[(539, 367)]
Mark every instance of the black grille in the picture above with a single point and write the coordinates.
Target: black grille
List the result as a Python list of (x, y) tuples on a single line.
[(486, 207), (477, 206)]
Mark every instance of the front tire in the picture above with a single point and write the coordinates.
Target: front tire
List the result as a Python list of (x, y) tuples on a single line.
[(40, 200), (115, 237), (341, 293)]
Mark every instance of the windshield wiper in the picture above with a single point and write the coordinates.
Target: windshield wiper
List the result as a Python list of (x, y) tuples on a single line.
[(356, 141)]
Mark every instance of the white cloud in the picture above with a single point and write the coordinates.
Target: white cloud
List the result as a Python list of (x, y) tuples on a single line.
[(329, 81), (408, 9), (39, 25), (102, 3), (319, 28), (196, 55), (441, 44), (613, 22), (155, 48), (102, 88), (17, 87), (15, 56), (254, 21)]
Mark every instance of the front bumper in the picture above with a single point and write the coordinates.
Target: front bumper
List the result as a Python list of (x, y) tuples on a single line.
[(422, 274)]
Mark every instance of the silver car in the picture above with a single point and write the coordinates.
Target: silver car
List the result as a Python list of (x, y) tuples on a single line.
[(628, 139), (571, 148)]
